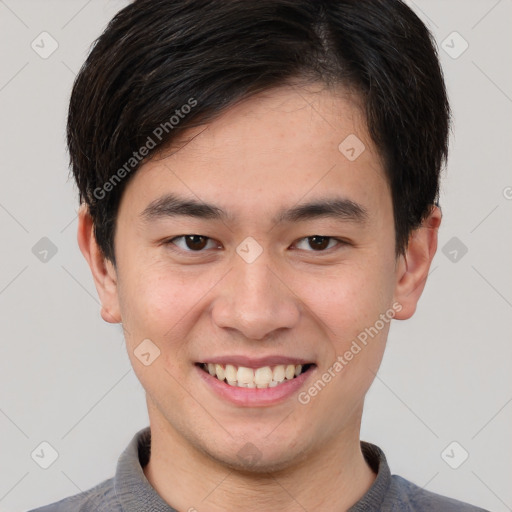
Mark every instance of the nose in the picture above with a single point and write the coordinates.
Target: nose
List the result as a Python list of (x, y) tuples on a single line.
[(255, 300)]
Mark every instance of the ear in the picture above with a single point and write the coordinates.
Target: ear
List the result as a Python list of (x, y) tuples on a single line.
[(103, 271), (412, 268)]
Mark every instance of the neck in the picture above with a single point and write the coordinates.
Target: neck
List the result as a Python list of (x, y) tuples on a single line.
[(335, 477)]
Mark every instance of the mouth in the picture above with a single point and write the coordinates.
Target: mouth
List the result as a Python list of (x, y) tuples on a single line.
[(261, 378)]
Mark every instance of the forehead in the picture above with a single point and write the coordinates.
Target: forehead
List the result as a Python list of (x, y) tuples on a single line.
[(287, 120), (280, 146)]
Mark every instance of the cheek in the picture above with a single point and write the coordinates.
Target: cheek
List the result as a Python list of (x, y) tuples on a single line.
[(350, 304), (351, 298), (158, 306), (156, 303)]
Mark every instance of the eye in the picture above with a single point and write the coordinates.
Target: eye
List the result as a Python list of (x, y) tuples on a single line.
[(320, 243), (197, 243), (191, 243)]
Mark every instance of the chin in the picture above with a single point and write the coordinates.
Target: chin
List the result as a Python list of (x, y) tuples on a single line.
[(251, 459), (262, 466)]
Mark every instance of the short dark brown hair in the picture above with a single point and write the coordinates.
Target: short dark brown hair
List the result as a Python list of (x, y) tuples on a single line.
[(161, 67)]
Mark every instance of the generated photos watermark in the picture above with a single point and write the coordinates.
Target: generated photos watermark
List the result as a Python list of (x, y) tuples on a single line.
[(360, 342), (139, 155)]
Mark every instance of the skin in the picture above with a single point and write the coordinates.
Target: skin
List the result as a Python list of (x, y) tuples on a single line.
[(272, 151)]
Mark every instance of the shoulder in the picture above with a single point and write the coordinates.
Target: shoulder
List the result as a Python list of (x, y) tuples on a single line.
[(100, 498), (416, 499)]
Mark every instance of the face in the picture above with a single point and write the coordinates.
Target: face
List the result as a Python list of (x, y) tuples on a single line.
[(256, 285)]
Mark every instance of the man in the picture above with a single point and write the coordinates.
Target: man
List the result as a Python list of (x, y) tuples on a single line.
[(259, 185)]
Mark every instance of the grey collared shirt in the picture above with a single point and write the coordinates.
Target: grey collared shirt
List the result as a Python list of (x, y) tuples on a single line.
[(130, 491)]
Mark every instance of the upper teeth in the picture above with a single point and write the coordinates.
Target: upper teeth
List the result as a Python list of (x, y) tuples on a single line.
[(265, 377)]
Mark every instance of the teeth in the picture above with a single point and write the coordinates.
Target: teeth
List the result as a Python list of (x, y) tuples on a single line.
[(279, 373), (230, 373), (290, 372), (219, 370), (262, 377), (243, 377)]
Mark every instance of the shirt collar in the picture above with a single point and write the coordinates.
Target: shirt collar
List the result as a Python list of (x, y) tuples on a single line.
[(133, 489), (374, 497)]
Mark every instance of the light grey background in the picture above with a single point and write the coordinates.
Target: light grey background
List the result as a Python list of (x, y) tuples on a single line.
[(65, 377)]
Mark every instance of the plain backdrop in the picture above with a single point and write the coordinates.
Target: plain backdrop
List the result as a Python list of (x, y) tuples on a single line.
[(444, 389)]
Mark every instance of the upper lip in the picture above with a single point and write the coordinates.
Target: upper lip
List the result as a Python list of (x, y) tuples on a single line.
[(256, 362)]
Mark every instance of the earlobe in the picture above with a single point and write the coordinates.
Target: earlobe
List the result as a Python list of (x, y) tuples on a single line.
[(413, 267), (103, 271)]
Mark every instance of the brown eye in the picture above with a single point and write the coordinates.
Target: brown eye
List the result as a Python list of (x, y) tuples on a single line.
[(192, 243), (319, 243), (195, 242)]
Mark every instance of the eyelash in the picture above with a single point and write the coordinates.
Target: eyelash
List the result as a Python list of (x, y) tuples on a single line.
[(170, 243)]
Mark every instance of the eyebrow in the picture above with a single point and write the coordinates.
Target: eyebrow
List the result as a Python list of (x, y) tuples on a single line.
[(339, 208)]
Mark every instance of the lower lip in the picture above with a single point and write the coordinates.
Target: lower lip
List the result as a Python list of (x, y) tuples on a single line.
[(255, 397)]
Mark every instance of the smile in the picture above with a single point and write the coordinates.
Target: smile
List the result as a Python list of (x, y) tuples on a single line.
[(262, 378)]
